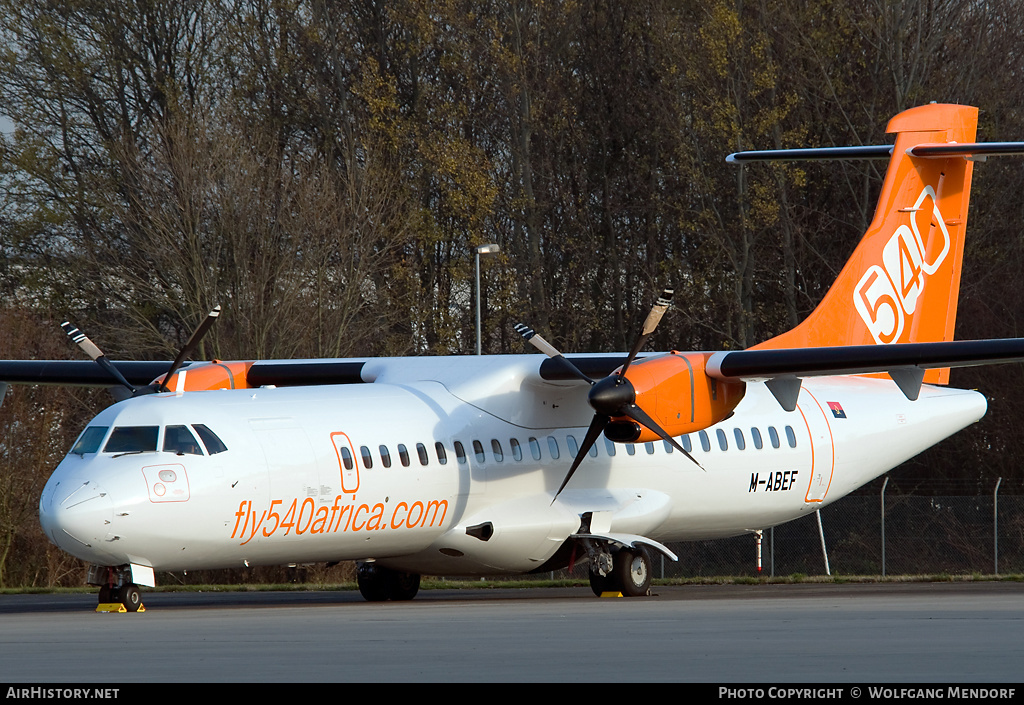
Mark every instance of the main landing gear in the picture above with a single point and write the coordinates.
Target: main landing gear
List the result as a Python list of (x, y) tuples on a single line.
[(627, 571), (378, 584)]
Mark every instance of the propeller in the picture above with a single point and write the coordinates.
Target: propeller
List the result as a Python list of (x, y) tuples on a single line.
[(191, 345), (613, 396), (92, 350)]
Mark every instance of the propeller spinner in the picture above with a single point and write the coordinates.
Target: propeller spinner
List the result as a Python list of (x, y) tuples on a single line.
[(614, 396)]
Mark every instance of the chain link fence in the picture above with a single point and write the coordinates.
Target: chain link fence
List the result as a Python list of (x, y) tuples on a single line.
[(923, 535)]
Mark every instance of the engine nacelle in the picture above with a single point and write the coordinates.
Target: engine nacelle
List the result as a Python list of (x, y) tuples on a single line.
[(209, 375), (677, 393)]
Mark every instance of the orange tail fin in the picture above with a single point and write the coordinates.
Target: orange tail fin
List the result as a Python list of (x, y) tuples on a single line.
[(902, 282)]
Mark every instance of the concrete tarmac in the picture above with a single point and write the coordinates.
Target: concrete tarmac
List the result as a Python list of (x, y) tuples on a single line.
[(947, 633)]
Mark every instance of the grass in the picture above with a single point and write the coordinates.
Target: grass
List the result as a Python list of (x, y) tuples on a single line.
[(495, 584)]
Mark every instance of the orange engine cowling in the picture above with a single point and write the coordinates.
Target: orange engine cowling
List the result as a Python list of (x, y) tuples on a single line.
[(209, 375), (677, 394)]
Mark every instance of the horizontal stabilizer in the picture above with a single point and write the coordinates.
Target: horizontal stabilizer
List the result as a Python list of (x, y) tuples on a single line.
[(943, 150), (967, 149), (873, 151), (861, 359)]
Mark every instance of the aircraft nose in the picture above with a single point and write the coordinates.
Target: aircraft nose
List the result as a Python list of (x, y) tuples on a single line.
[(76, 515)]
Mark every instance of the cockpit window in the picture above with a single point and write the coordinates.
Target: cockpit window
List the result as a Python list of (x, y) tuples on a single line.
[(212, 442), (132, 439), (89, 441), (178, 439)]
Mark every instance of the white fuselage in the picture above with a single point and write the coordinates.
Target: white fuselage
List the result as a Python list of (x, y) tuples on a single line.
[(294, 485)]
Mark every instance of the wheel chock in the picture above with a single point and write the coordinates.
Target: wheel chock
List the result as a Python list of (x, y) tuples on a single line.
[(611, 594), (116, 607)]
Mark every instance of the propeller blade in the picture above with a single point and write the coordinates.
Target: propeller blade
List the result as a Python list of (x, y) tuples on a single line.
[(595, 430), (191, 345), (90, 348), (531, 337), (650, 325), (640, 416)]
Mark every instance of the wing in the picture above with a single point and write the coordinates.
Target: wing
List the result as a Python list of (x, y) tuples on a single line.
[(281, 373)]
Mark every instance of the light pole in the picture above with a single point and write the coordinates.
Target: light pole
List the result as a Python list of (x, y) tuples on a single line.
[(489, 249)]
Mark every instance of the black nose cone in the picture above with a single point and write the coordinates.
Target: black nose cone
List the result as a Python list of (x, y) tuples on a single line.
[(611, 395)]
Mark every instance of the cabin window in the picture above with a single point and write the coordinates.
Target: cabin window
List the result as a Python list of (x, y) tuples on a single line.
[(442, 455), (649, 447), (385, 456), (478, 450), (535, 448), (705, 442), (574, 448), (668, 446), (421, 451), (346, 457), (790, 436), (773, 436), (610, 447), (685, 442), (460, 453), (741, 443), (517, 450), (403, 455), (553, 447), (367, 458), (499, 454), (178, 439), (723, 441), (132, 439), (89, 441), (756, 435), (630, 449), (210, 439), (593, 450)]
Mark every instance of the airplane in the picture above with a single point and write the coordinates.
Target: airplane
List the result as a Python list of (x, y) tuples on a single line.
[(509, 464)]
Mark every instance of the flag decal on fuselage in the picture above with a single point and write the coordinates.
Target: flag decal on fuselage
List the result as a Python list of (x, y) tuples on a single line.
[(837, 409)]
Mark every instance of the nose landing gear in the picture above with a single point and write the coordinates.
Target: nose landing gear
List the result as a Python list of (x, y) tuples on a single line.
[(117, 592), (378, 584)]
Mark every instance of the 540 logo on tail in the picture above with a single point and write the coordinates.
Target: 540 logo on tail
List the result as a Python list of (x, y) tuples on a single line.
[(887, 294)]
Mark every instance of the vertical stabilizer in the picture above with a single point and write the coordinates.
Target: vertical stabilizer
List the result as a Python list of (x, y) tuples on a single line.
[(902, 282)]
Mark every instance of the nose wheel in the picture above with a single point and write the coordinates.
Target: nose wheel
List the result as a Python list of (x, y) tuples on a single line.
[(117, 591), (378, 584), (129, 596)]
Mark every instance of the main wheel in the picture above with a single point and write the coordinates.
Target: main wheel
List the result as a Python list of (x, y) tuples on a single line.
[(633, 572), (601, 584), (131, 597)]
